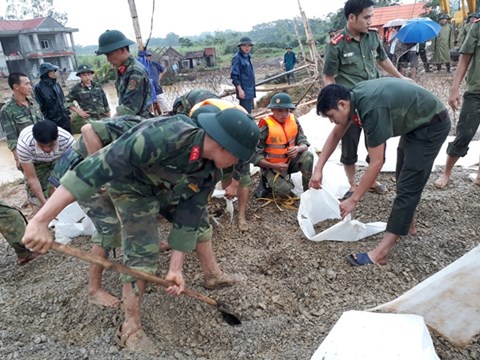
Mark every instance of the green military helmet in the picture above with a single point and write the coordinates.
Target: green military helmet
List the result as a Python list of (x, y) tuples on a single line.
[(245, 41), (281, 101), (46, 67), (444, 16), (82, 69), (234, 130), (112, 40), (474, 15), (288, 47), (205, 109)]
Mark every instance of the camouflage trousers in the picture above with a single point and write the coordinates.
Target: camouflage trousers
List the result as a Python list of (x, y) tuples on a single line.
[(467, 125), (43, 171), (282, 184), (138, 216), (99, 207), (12, 227)]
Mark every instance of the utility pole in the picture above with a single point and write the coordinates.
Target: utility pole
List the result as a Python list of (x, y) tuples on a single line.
[(136, 24)]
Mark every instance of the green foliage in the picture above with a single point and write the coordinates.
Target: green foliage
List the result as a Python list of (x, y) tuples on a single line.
[(28, 9)]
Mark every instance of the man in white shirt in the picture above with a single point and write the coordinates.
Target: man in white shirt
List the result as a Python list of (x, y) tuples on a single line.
[(38, 147)]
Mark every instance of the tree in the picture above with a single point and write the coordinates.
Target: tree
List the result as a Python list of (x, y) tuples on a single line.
[(382, 3), (185, 42), (30, 9)]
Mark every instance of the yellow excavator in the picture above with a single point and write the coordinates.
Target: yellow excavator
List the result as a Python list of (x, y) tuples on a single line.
[(465, 7)]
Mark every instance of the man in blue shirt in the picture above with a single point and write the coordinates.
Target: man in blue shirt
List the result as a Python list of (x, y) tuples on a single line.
[(242, 74), (156, 72)]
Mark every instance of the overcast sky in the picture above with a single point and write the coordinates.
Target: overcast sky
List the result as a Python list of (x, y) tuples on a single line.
[(182, 17)]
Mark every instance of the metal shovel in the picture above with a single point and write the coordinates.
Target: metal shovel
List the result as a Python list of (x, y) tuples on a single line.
[(230, 317)]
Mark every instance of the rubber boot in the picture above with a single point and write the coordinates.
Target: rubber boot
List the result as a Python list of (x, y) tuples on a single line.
[(448, 67), (262, 190)]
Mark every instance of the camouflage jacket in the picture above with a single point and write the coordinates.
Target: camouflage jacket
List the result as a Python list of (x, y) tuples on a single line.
[(90, 99), (133, 89), (158, 157), (15, 117)]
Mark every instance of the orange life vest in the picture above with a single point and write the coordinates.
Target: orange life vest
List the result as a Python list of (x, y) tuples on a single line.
[(280, 138)]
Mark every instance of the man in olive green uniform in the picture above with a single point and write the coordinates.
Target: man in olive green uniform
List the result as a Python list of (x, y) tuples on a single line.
[(86, 99), (443, 43), (352, 56), (12, 227), (279, 155), (469, 118), (386, 108), (19, 112), (465, 28), (132, 81), (99, 207), (161, 165)]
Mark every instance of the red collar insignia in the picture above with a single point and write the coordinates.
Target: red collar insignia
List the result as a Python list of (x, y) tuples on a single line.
[(336, 39), (348, 38), (122, 69), (356, 120), (195, 153)]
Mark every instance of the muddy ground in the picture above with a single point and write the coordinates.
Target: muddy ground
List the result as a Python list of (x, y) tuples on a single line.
[(294, 293)]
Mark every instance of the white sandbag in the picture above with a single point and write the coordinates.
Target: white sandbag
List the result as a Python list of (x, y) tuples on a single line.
[(360, 335), (320, 205), (449, 300), (71, 222)]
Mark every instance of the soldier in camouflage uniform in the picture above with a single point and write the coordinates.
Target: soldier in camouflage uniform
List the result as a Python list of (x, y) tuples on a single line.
[(87, 100), (469, 119), (99, 207), (352, 56), (12, 227), (132, 81), (19, 112), (161, 165)]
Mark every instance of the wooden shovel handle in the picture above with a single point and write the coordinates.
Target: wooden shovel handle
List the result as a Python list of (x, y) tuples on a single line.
[(120, 268)]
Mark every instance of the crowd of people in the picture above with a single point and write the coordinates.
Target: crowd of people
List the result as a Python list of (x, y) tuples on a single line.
[(147, 161)]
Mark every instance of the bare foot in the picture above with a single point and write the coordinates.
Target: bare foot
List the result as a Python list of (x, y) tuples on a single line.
[(103, 298), (164, 246), (412, 230), (441, 182), (242, 224)]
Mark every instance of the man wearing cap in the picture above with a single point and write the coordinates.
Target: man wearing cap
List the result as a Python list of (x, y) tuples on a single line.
[(156, 72), (50, 97), (18, 112), (443, 43), (243, 75), (90, 97), (465, 28), (161, 166), (282, 149), (289, 61), (87, 99), (243, 78), (131, 79)]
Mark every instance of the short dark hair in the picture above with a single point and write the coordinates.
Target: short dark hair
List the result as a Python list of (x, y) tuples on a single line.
[(329, 97), (14, 78), (45, 131), (355, 7)]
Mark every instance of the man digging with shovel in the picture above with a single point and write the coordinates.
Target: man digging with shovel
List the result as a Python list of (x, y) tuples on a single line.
[(166, 166)]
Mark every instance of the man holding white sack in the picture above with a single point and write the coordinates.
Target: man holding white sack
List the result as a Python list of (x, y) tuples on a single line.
[(385, 108)]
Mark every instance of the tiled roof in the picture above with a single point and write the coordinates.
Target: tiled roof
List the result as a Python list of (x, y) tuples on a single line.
[(384, 14), (17, 25)]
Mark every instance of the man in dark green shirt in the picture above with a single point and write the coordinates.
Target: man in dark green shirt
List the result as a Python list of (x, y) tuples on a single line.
[(161, 166), (386, 108), (352, 56)]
